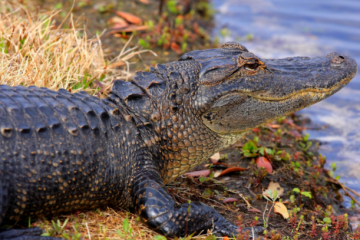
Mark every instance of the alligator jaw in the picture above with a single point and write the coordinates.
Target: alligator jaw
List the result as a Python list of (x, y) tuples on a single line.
[(291, 77), (322, 93)]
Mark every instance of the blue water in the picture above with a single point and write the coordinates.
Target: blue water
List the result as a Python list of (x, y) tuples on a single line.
[(283, 28)]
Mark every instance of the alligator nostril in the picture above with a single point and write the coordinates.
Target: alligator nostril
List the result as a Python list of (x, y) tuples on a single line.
[(337, 59)]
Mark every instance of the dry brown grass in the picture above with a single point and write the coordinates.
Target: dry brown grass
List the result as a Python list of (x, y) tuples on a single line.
[(99, 224), (33, 51)]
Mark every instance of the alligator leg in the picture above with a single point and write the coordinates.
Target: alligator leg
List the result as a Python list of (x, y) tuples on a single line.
[(16, 234), (157, 209)]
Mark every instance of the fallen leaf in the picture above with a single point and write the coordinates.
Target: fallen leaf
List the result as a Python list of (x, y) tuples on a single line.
[(254, 210), (129, 17), (225, 238), (118, 20), (274, 186), (256, 130), (176, 48), (217, 173), (118, 26), (196, 28), (230, 199), (232, 169), (215, 158), (281, 209), (265, 163), (275, 126), (144, 1), (198, 173), (130, 28)]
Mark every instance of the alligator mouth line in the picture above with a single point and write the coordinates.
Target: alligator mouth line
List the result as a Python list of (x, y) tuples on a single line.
[(305, 91)]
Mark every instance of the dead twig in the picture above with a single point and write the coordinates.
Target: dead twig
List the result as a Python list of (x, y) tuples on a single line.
[(346, 189)]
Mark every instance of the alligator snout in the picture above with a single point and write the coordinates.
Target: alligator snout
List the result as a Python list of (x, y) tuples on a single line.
[(337, 58)]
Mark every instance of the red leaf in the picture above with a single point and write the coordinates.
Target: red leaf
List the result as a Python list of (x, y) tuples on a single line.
[(196, 27), (129, 17), (118, 20), (176, 48), (119, 26), (254, 210), (232, 169), (256, 130), (198, 173), (130, 28), (263, 162), (144, 1), (230, 199)]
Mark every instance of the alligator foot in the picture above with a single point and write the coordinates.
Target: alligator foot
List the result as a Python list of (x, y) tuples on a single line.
[(157, 208), (24, 234)]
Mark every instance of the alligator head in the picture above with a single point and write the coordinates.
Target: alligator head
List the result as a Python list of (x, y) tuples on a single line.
[(239, 91), (210, 98)]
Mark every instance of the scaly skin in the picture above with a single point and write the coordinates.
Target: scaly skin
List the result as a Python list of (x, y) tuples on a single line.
[(61, 152)]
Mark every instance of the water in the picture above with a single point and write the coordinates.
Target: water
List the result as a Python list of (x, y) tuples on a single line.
[(283, 28)]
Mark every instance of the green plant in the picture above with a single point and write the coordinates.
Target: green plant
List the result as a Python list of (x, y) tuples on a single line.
[(333, 169), (272, 196), (303, 193), (306, 144), (205, 179), (250, 148), (300, 222), (57, 228), (159, 237), (126, 232)]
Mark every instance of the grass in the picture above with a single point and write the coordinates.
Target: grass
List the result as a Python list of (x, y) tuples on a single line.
[(34, 51), (97, 224)]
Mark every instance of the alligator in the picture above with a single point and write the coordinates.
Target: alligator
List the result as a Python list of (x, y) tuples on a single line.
[(62, 151)]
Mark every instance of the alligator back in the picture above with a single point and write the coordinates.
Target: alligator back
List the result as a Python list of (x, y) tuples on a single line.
[(60, 152)]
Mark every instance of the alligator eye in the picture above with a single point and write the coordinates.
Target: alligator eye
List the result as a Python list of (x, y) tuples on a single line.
[(251, 66)]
